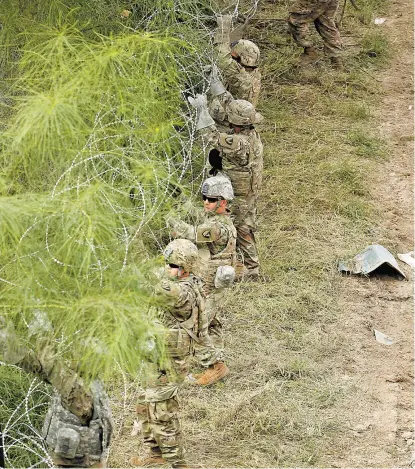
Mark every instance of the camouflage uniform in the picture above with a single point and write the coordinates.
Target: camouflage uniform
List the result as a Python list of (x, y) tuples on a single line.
[(242, 162), (218, 111), (215, 236), (78, 425), (158, 406), (322, 13), (242, 83)]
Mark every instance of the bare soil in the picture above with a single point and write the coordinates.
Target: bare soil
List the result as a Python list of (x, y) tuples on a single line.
[(382, 422)]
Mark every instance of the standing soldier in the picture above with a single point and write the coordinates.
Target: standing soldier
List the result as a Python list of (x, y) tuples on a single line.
[(238, 63), (321, 13), (158, 408), (78, 424), (215, 237), (242, 161)]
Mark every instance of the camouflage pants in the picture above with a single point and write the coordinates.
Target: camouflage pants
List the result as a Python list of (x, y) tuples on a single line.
[(321, 13), (210, 351), (158, 407), (244, 211)]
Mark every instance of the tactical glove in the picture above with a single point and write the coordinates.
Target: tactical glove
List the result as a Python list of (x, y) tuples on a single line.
[(216, 86), (204, 119), (223, 30)]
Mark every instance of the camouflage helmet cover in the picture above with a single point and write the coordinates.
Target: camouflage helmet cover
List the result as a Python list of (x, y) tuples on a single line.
[(241, 112), (181, 252), (218, 187), (248, 52)]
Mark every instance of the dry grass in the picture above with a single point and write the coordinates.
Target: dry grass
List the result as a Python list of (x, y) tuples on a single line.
[(283, 403)]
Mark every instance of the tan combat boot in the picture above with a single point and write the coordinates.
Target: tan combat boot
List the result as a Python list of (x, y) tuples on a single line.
[(153, 460), (309, 56), (213, 374)]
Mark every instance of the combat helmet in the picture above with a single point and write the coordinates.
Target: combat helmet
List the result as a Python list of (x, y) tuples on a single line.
[(247, 51), (219, 187), (181, 252), (241, 112)]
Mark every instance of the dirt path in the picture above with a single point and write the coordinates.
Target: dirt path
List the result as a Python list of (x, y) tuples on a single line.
[(381, 424)]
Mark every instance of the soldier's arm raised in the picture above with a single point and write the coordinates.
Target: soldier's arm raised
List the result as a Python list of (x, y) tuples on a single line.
[(181, 229), (223, 31), (51, 368)]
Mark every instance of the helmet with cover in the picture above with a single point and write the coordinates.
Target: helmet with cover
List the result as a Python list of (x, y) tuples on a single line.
[(247, 51), (219, 187), (182, 253), (241, 112)]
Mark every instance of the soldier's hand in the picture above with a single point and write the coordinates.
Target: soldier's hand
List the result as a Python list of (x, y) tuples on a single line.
[(199, 102), (216, 85), (224, 22)]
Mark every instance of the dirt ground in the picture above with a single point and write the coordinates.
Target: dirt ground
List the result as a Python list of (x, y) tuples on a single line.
[(381, 424)]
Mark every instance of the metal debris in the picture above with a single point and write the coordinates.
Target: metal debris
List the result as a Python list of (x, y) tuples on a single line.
[(374, 257), (382, 338), (408, 258)]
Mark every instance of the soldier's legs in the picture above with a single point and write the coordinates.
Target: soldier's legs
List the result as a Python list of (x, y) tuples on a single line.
[(298, 26), (159, 409), (150, 442), (246, 244), (329, 32), (214, 308), (244, 211), (205, 351), (299, 18), (166, 430), (217, 368)]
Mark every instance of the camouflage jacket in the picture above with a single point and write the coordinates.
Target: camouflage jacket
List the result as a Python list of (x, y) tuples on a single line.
[(241, 83), (185, 300), (242, 157), (215, 236)]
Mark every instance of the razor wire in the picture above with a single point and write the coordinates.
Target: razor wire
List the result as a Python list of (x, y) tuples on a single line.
[(185, 166)]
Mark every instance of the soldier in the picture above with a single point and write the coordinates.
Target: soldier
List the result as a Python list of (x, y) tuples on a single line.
[(215, 236), (158, 407), (238, 63), (321, 13), (78, 424), (242, 161)]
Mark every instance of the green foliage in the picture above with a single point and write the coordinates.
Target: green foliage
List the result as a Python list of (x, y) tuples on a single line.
[(376, 42), (95, 144), (368, 9), (22, 406)]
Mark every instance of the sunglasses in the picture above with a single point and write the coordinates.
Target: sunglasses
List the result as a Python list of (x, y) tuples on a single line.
[(210, 199), (174, 266)]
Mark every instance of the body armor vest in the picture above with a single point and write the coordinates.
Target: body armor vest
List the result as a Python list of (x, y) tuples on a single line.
[(209, 260)]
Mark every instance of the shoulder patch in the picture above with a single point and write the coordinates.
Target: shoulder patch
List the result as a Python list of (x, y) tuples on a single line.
[(230, 142)]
